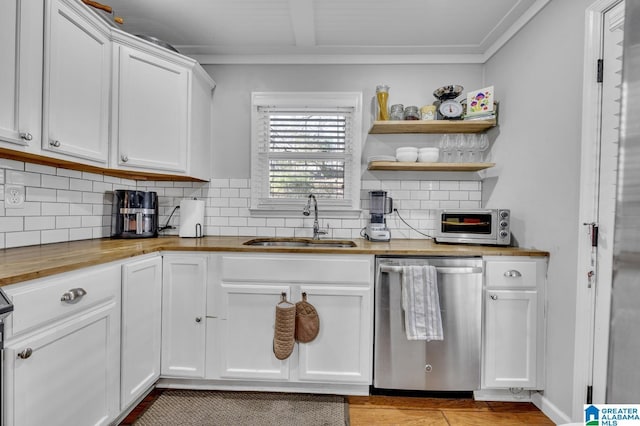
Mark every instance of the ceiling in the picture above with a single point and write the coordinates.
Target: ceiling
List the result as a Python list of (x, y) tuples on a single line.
[(330, 31)]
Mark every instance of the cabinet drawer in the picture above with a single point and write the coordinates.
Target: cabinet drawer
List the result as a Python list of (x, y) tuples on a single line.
[(298, 269), (38, 302), (511, 274)]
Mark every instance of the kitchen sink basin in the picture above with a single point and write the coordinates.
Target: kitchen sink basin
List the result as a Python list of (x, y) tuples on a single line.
[(298, 242)]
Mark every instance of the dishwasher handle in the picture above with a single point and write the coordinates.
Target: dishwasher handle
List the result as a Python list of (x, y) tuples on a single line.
[(439, 269)]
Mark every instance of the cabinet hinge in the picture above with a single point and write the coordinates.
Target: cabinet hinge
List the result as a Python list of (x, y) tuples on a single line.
[(589, 395), (600, 71)]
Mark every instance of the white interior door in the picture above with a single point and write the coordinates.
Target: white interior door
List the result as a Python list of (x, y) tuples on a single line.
[(600, 135), (606, 192)]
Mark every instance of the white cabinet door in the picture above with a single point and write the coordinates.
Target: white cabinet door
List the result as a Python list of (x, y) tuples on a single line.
[(183, 315), (21, 75), (77, 78), (151, 107), (68, 374), (342, 350), (510, 338), (246, 330), (248, 288), (141, 327)]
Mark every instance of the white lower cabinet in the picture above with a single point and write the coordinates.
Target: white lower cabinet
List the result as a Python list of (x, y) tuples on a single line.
[(62, 359), (513, 355), (245, 332), (342, 350), (141, 327), (183, 315), (245, 290)]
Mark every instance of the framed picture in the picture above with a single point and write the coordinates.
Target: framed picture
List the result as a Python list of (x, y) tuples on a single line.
[(480, 102)]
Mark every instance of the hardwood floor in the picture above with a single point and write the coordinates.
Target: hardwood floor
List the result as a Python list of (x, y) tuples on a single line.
[(410, 411), (393, 410)]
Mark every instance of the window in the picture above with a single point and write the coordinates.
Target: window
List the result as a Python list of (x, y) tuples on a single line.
[(305, 143)]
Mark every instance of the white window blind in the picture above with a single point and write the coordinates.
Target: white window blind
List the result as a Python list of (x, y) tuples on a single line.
[(305, 145)]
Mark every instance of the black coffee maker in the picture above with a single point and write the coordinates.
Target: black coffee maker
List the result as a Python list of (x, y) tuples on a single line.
[(134, 214)]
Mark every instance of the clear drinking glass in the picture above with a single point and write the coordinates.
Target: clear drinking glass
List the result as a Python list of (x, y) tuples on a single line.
[(447, 145), (483, 144), (472, 154), (460, 147)]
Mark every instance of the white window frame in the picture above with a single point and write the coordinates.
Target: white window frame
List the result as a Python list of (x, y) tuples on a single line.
[(261, 205)]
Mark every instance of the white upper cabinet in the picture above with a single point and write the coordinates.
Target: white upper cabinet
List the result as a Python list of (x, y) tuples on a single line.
[(21, 75), (161, 110), (151, 107), (77, 78), (76, 90)]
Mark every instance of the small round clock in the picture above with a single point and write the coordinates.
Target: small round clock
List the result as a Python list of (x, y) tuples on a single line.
[(450, 108)]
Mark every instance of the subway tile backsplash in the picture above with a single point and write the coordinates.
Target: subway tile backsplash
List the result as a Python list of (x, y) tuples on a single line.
[(67, 205)]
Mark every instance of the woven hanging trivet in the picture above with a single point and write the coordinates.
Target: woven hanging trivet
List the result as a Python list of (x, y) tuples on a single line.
[(284, 329), (307, 321)]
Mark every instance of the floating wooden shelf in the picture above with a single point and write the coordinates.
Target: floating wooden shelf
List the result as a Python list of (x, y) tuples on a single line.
[(428, 167), (431, 126)]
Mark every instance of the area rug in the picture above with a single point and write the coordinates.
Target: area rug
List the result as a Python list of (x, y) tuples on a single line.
[(189, 407)]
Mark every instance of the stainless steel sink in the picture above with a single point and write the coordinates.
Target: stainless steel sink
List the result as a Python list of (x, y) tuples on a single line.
[(298, 242)]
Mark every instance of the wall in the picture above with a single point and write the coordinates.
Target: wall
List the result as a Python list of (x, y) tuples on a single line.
[(67, 205), (538, 157), (409, 85)]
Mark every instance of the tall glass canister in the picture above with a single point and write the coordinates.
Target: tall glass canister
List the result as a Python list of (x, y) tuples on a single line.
[(382, 93)]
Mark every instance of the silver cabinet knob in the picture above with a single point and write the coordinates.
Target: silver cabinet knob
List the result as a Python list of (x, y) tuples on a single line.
[(512, 274), (26, 136), (494, 297), (198, 319), (428, 368), (55, 143), (124, 158), (26, 353), (73, 296)]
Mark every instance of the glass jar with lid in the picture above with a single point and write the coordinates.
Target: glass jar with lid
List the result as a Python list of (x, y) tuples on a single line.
[(397, 112), (411, 113)]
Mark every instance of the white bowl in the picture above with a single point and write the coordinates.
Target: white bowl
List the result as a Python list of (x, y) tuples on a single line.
[(428, 149), (407, 156), (407, 149), (428, 156)]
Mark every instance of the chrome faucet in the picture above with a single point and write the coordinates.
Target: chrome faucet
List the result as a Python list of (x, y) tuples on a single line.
[(307, 211)]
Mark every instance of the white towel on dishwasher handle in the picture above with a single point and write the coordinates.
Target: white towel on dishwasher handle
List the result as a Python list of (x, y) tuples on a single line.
[(421, 303)]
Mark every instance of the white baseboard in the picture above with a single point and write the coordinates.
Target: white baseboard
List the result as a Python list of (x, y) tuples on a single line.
[(549, 409), (502, 395)]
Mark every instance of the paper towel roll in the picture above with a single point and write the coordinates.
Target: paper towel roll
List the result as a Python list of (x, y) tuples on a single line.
[(191, 218)]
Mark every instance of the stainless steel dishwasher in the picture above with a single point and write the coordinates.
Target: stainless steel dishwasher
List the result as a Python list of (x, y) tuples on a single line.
[(452, 364)]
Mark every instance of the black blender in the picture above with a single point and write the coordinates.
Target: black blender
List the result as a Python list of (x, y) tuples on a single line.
[(379, 206)]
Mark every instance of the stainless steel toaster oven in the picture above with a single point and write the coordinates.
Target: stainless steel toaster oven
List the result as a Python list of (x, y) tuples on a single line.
[(473, 226)]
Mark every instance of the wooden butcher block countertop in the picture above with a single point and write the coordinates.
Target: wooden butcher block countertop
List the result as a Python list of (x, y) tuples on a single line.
[(26, 263)]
